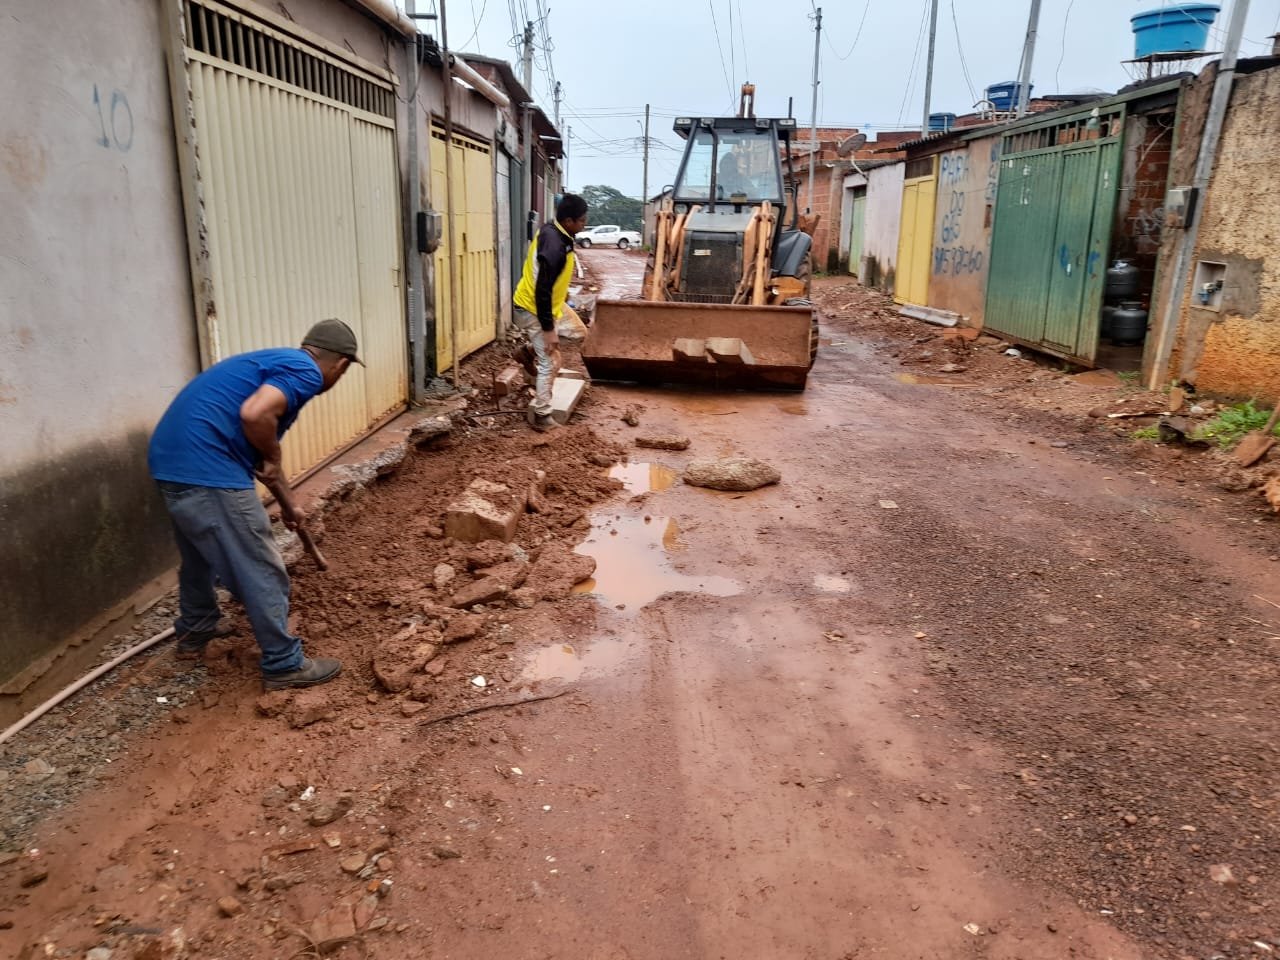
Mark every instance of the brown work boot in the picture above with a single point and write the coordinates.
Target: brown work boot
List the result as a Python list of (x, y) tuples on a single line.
[(313, 671)]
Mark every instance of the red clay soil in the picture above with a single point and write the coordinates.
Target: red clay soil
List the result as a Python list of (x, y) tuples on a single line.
[(947, 690)]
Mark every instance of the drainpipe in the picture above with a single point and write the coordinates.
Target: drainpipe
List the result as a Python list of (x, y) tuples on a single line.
[(416, 280), (447, 77), (1204, 172), (387, 12)]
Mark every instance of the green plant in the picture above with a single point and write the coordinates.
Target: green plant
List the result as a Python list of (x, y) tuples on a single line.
[(1129, 377), (1234, 422), (1146, 433)]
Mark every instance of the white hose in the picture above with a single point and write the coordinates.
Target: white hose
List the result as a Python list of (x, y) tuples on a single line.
[(83, 682)]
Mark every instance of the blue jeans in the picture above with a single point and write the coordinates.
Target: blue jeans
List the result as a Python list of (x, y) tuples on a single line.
[(226, 534)]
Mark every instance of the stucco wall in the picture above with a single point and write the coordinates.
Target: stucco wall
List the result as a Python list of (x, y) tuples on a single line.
[(967, 181), (884, 216), (1236, 352), (96, 326)]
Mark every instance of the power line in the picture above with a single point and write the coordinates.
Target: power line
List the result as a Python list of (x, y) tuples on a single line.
[(733, 54), (476, 20), (856, 37), (964, 66), (719, 46), (915, 60), (742, 36), (1057, 82)]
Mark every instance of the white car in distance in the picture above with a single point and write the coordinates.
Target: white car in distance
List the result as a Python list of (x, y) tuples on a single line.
[(608, 235)]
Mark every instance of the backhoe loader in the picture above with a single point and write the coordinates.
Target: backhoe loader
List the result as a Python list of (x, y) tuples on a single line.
[(725, 295)]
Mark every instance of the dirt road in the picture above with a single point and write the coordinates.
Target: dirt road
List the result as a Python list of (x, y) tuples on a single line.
[(948, 690)]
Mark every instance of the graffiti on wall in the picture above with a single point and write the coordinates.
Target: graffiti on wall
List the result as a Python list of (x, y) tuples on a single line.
[(951, 257), (115, 120)]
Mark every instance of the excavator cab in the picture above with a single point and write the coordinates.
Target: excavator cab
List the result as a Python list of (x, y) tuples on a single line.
[(725, 293)]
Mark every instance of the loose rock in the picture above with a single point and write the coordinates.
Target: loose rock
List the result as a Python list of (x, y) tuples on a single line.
[(662, 441), (731, 473), (230, 907), (442, 576), (482, 591)]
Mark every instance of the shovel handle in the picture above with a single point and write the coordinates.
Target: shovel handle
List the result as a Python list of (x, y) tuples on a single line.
[(1271, 424), (310, 546)]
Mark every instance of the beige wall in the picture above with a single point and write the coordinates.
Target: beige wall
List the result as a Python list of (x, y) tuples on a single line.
[(967, 180), (1236, 351), (96, 325)]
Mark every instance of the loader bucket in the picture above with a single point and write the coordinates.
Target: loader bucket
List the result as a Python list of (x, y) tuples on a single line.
[(648, 342)]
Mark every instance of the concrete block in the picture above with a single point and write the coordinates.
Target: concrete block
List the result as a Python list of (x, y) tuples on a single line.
[(568, 374), (508, 381), (689, 350), (565, 397), (729, 350), (484, 511)]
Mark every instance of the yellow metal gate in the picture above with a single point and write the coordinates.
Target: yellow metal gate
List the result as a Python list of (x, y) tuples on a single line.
[(472, 207), (915, 241), (297, 209)]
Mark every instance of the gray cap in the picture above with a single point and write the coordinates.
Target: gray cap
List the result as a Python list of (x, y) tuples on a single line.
[(335, 336)]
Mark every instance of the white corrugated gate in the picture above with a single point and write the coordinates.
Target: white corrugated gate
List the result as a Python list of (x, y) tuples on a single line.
[(298, 208)]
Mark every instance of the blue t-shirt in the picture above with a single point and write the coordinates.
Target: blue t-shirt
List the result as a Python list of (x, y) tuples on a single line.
[(200, 439)]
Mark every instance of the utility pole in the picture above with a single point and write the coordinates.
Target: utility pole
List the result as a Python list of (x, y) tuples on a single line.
[(526, 58), (928, 72), (813, 113), (645, 189), (1028, 54), (568, 143), (557, 102), (1182, 268)]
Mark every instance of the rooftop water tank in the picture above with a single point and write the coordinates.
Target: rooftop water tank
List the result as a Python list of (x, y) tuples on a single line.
[(1005, 95), (1173, 29), (941, 122)]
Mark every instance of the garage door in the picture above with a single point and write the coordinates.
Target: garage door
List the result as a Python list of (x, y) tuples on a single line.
[(297, 203), (472, 207)]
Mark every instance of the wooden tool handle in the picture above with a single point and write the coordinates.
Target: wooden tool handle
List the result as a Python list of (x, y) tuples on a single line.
[(1271, 424), (310, 546)]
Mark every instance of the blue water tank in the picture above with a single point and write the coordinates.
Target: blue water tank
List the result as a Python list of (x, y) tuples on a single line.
[(1173, 29), (1005, 95), (941, 122)]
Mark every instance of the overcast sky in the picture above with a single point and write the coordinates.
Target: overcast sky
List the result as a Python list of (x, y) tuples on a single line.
[(691, 57)]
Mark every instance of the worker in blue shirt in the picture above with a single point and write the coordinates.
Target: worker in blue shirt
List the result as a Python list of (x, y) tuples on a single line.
[(540, 298), (220, 432)]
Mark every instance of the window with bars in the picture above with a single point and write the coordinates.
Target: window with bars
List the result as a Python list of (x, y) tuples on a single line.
[(240, 41), (1079, 130)]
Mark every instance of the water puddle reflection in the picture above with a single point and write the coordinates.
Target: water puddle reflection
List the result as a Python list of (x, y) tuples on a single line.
[(829, 584), (563, 661), (644, 477), (941, 381), (633, 567)]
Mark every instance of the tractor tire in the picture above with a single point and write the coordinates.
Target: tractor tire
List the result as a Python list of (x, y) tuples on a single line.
[(624, 244)]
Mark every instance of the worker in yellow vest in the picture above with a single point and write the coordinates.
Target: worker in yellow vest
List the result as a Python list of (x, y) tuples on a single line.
[(540, 296)]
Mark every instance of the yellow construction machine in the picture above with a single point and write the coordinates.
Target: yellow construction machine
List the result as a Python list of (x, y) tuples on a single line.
[(725, 296)]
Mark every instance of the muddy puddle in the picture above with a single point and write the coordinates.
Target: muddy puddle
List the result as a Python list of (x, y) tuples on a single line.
[(644, 477), (633, 563), (928, 378), (565, 661)]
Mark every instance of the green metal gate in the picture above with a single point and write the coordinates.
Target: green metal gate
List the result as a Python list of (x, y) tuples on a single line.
[(1054, 208), (857, 229)]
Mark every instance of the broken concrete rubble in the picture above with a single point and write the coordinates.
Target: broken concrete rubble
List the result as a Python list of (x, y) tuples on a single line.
[(556, 572), (484, 511), (400, 657), (731, 473), (429, 429)]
